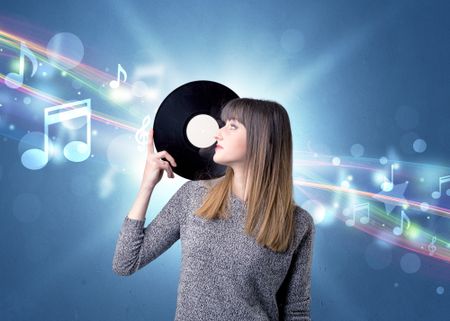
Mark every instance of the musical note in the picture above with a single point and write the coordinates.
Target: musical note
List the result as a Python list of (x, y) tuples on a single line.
[(431, 246), (399, 230), (116, 83), (357, 208), (141, 135), (15, 80), (442, 180), (75, 151), (388, 185)]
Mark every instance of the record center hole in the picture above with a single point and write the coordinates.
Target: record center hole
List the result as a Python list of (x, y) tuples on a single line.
[(201, 129)]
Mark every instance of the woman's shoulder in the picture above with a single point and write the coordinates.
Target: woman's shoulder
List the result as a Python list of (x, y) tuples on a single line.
[(189, 186), (199, 183), (304, 218), (208, 183), (197, 186)]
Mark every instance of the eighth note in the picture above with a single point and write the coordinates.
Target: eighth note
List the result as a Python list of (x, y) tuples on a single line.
[(116, 83), (399, 230), (364, 219), (75, 151), (442, 180), (15, 80)]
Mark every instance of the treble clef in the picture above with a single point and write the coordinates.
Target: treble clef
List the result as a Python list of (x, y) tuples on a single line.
[(431, 246), (141, 135)]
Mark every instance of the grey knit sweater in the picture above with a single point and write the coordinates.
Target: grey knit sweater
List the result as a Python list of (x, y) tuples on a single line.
[(225, 274)]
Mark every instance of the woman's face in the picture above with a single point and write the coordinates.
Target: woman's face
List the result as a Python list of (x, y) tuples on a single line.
[(232, 138)]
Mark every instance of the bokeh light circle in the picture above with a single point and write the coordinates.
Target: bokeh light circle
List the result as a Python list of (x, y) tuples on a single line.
[(65, 45), (357, 150), (424, 206), (419, 145), (336, 161), (410, 263), (27, 100)]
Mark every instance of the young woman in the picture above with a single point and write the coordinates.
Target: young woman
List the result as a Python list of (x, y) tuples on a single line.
[(246, 246)]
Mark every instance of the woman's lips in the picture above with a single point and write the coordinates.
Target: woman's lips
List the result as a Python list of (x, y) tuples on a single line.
[(218, 147)]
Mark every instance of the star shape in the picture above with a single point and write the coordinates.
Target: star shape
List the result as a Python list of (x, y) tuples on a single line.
[(398, 192)]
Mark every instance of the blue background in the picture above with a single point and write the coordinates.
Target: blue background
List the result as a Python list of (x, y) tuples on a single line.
[(360, 68)]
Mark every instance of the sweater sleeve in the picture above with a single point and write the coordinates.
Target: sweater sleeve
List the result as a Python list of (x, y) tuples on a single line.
[(137, 246), (294, 296)]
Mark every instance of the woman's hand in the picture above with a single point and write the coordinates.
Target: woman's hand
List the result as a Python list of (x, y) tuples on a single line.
[(154, 165)]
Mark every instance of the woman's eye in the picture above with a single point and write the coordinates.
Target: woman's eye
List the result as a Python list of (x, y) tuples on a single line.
[(222, 124)]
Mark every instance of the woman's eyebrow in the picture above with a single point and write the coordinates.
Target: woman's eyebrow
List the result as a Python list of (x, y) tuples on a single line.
[(231, 119)]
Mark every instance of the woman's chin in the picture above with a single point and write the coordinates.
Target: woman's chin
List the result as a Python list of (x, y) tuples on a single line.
[(217, 160)]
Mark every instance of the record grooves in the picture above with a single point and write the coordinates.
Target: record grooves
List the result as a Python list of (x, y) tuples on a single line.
[(176, 112)]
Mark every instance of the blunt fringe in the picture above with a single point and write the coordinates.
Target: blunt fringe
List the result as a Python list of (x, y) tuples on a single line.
[(268, 166)]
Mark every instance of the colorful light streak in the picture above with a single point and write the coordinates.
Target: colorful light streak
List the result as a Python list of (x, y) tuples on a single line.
[(95, 80)]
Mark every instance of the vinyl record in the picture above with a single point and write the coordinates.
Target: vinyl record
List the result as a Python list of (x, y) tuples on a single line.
[(185, 125)]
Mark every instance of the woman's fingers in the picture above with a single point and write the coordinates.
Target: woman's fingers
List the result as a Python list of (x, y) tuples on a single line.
[(167, 156), (157, 156), (150, 142), (169, 170), (161, 154), (155, 165), (164, 165)]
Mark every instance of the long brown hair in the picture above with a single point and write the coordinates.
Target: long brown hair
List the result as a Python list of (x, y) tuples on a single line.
[(268, 166)]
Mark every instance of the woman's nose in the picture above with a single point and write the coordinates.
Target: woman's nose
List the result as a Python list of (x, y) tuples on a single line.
[(216, 136)]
